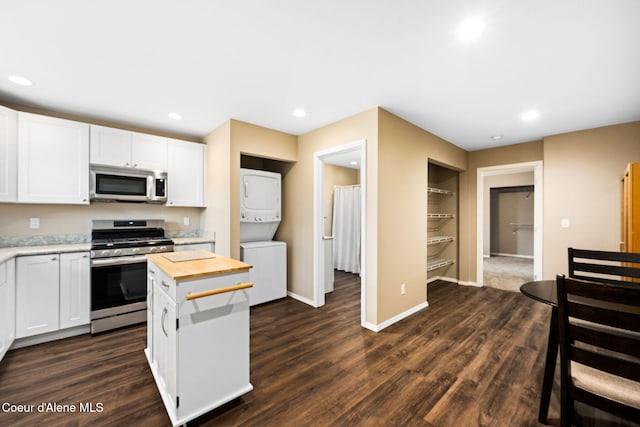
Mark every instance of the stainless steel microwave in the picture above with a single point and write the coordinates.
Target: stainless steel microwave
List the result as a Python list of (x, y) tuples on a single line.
[(127, 185)]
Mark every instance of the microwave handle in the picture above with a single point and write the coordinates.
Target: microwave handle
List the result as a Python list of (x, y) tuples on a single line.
[(246, 189)]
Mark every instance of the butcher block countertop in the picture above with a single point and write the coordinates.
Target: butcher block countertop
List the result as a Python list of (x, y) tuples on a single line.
[(194, 264)]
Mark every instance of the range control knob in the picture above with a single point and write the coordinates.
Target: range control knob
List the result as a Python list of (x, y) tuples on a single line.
[(153, 249), (117, 252), (104, 253), (163, 249), (135, 250)]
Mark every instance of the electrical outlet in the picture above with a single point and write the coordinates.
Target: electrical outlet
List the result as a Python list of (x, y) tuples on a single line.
[(564, 223), (186, 220), (403, 289), (34, 222)]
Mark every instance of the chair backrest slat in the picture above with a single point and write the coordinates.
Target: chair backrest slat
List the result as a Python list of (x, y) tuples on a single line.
[(607, 266), (620, 367)]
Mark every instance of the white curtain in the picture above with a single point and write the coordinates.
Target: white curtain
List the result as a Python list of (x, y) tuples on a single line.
[(346, 228)]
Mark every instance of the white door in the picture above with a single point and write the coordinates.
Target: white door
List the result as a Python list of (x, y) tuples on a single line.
[(53, 160), (37, 296), (75, 288)]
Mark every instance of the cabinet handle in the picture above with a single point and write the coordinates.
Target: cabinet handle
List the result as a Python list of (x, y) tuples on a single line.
[(164, 283), (164, 315), (191, 296), (53, 259)]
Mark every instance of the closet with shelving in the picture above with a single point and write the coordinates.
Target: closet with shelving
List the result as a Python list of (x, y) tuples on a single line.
[(442, 223)]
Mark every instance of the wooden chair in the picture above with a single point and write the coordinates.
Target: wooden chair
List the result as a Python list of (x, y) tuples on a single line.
[(604, 266), (599, 339)]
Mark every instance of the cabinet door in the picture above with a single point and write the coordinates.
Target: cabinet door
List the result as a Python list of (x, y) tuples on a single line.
[(37, 296), (7, 306), (110, 146), (75, 276), (8, 158), (185, 174), (53, 160), (149, 152), (164, 341)]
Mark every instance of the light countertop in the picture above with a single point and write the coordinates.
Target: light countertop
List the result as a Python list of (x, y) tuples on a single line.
[(206, 264), (12, 252)]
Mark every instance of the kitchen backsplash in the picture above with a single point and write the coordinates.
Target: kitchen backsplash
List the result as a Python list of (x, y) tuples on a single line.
[(69, 239)]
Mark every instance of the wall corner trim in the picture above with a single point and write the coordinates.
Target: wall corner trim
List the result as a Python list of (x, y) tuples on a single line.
[(394, 319), (301, 299), (470, 284)]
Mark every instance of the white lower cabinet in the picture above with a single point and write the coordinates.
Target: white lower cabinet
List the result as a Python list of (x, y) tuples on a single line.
[(37, 294), (7, 306), (199, 352), (52, 292), (75, 288)]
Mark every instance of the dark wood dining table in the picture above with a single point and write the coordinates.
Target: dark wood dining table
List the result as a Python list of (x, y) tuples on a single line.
[(545, 292)]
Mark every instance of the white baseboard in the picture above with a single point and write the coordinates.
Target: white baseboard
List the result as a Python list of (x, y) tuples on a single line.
[(51, 336), (470, 284), (511, 255), (301, 299), (446, 279), (397, 318)]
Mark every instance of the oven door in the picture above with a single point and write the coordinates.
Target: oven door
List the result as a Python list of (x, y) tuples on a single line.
[(118, 285)]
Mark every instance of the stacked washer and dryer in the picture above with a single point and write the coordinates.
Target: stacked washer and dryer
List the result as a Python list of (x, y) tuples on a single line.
[(260, 214)]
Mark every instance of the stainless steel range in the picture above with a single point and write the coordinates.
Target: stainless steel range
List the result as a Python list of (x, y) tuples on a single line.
[(119, 270)]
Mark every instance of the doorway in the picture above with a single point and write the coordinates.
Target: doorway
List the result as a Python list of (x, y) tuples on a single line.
[(341, 155), (483, 216)]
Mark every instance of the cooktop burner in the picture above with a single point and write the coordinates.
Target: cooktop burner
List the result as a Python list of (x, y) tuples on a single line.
[(110, 238)]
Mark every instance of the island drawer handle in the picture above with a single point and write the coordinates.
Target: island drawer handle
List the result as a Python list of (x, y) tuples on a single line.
[(191, 296)]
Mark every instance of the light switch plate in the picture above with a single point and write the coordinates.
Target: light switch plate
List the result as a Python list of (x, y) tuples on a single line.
[(564, 223), (34, 222)]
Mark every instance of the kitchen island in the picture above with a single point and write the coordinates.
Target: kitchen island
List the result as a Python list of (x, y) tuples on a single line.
[(197, 330)]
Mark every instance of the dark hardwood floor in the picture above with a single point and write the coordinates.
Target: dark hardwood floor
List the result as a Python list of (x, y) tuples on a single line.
[(473, 358)]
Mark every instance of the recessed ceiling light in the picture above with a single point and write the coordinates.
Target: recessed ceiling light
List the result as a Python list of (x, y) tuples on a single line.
[(299, 112), (353, 162), (175, 116), (19, 80), (530, 115), (471, 29), (497, 137)]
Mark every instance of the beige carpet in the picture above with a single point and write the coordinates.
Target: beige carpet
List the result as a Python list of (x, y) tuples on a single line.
[(507, 273)]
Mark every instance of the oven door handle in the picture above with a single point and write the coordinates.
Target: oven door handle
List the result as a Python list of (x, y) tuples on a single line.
[(105, 262)]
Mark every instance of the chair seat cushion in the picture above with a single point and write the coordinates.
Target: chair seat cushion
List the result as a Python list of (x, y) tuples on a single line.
[(616, 388)]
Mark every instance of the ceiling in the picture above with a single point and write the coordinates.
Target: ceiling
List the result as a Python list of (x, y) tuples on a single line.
[(576, 62)]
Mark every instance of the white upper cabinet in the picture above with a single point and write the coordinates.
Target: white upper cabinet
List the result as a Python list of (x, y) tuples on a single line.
[(53, 160), (186, 173), (123, 148), (8, 141)]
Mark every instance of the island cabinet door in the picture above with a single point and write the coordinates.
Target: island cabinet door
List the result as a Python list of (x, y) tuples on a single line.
[(213, 343), (164, 342)]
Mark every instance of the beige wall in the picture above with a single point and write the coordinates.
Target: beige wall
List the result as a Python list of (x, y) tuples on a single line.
[(226, 144), (76, 219), (517, 153), (403, 156), (582, 182), (217, 216), (298, 207), (259, 142)]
